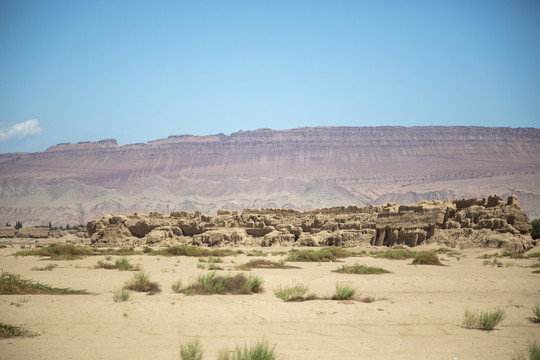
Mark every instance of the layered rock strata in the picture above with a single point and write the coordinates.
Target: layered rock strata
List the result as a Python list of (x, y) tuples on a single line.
[(464, 223)]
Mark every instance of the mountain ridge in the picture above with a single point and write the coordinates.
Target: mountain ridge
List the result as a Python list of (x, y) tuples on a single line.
[(357, 165)]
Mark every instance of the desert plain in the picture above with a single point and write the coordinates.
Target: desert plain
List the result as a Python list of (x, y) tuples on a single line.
[(417, 313)]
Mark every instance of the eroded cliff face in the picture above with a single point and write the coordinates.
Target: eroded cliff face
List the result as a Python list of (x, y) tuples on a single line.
[(303, 168), (372, 155), (464, 223)]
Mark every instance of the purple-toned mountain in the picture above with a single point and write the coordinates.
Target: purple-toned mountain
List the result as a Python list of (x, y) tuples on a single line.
[(303, 168)]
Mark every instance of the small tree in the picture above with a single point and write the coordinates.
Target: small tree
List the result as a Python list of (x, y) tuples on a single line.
[(50, 225), (535, 233), (18, 225)]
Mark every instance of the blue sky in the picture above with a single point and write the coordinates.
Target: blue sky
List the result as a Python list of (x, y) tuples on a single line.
[(136, 71)]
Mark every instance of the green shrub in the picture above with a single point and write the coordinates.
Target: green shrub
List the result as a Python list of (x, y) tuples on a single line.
[(483, 320), (11, 284), (141, 283), (344, 292), (360, 269), (192, 350), (426, 258), (121, 295), (295, 292), (259, 351), (533, 353)]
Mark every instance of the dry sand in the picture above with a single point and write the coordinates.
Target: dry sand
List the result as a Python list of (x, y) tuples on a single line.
[(417, 315)]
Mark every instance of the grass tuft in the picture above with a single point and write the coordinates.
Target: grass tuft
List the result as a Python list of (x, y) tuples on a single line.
[(483, 320), (259, 351), (212, 283), (426, 258), (360, 269), (191, 250), (323, 255), (264, 264), (294, 292), (141, 283), (48, 267), (177, 286), (395, 254), (344, 292), (533, 352), (121, 295), (121, 264), (192, 350), (536, 314), (8, 331), (12, 284)]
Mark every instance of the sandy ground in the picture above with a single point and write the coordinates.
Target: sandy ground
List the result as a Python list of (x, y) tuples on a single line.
[(417, 315)]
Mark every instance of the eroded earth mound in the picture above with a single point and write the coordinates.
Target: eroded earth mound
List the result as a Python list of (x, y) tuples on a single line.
[(465, 223)]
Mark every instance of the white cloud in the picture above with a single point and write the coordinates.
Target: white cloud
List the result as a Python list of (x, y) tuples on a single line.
[(21, 130)]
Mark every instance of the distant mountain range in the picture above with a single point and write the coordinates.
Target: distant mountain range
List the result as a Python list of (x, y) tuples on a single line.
[(302, 168)]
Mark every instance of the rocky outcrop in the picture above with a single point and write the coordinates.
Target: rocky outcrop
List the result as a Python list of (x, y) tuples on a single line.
[(487, 222)]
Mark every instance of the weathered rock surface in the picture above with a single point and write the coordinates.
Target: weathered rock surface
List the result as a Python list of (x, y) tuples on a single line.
[(304, 168), (464, 223)]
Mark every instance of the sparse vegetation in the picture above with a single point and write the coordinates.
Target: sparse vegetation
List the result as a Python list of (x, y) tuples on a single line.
[(344, 292), (264, 264), (212, 283), (295, 292), (48, 267), (486, 320), (121, 295), (192, 350), (259, 351), (177, 286), (536, 314), (394, 254), (256, 253), (323, 255), (58, 252), (11, 284), (513, 255), (8, 331), (360, 269), (190, 250), (141, 283), (121, 264), (533, 353), (426, 258)]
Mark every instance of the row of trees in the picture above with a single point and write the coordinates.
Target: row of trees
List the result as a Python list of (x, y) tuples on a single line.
[(19, 225)]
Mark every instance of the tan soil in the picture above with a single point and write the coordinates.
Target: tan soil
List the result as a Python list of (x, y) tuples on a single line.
[(418, 313)]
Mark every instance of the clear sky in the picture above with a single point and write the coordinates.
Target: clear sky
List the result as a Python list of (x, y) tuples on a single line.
[(136, 71)]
